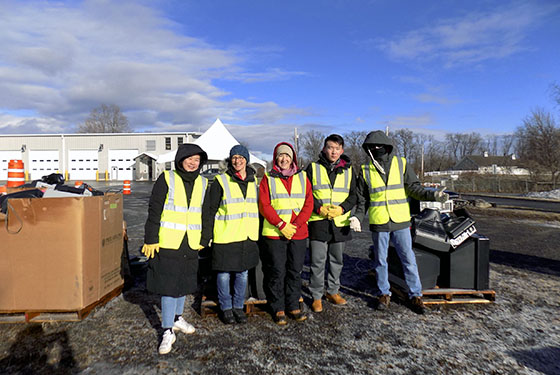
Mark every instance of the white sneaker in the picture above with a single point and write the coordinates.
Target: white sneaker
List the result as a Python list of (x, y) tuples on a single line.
[(167, 342), (182, 325)]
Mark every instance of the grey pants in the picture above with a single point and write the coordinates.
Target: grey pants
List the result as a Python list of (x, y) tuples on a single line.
[(320, 252)]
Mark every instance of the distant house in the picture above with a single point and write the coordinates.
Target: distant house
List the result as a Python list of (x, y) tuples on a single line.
[(486, 164)]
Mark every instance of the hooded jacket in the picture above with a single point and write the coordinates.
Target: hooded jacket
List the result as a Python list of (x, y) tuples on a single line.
[(234, 256), (325, 230), (172, 272), (412, 185), (269, 213), (160, 189)]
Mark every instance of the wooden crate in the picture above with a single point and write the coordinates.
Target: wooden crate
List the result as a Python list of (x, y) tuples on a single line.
[(39, 316)]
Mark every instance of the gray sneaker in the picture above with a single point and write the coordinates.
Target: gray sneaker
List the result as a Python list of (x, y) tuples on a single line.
[(167, 341)]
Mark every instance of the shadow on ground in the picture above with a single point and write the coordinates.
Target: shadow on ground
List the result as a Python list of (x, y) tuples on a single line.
[(526, 262)]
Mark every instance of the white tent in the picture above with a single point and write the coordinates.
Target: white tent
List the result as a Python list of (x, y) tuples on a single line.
[(216, 141)]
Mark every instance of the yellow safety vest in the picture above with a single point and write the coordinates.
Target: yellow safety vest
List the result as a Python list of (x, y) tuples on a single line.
[(327, 194), (177, 217), (237, 218), (387, 201), (283, 202)]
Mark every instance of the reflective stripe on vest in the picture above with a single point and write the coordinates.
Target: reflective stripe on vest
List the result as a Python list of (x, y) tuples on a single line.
[(237, 218), (387, 202), (177, 217), (326, 194), (283, 202)]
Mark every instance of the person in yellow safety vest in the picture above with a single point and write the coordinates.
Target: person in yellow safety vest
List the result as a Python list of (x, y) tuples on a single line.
[(385, 183), (172, 238), (231, 221), (334, 195), (286, 203)]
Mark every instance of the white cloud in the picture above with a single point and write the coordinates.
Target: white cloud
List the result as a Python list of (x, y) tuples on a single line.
[(433, 98), (410, 121), (474, 38), (268, 75), (61, 61), (10, 124)]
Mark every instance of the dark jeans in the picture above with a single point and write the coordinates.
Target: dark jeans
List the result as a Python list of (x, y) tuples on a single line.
[(282, 265)]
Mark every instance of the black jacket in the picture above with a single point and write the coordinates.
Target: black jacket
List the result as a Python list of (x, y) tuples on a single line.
[(325, 230), (412, 185), (172, 272), (234, 256)]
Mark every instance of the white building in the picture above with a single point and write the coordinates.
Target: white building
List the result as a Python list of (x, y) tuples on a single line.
[(90, 157)]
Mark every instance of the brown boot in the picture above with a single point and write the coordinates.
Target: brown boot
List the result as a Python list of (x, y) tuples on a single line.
[(280, 318), (417, 305), (297, 315), (317, 306), (336, 299), (383, 302)]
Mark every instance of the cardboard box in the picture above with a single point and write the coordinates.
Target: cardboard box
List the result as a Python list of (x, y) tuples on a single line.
[(60, 253)]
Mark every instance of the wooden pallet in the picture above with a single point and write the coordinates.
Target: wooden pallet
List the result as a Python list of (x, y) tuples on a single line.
[(252, 307), (39, 316), (442, 296)]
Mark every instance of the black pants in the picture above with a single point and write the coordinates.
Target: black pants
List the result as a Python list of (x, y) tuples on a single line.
[(282, 265)]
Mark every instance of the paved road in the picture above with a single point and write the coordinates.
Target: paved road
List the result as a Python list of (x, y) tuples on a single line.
[(536, 204)]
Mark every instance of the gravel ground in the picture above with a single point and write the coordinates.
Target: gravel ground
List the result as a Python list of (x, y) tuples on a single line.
[(518, 334)]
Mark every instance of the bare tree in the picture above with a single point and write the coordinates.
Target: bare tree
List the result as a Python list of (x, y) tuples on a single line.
[(406, 142), (463, 144), (471, 144), (538, 143), (310, 146), (507, 143), (452, 142), (436, 157), (105, 119), (353, 148), (555, 93), (492, 144)]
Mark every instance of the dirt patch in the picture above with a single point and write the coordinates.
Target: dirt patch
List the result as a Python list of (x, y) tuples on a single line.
[(518, 334)]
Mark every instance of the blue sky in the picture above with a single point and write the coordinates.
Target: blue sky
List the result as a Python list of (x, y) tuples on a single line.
[(266, 67)]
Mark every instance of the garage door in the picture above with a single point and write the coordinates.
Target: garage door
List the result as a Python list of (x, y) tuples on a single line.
[(121, 164), (42, 163), (83, 164), (5, 157)]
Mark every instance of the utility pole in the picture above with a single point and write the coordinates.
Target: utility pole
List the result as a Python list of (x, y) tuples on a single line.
[(422, 164), (296, 141)]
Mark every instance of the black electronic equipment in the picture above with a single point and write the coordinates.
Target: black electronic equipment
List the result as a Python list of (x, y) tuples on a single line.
[(428, 268), (467, 266), (428, 230)]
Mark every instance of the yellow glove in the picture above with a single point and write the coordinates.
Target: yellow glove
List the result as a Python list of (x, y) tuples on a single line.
[(150, 250), (200, 247), (334, 211), (289, 230), (324, 211)]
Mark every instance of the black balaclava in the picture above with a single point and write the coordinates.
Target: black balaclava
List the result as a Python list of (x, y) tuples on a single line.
[(378, 152)]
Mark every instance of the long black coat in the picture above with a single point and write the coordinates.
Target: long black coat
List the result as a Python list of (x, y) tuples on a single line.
[(235, 256), (172, 272), (325, 230)]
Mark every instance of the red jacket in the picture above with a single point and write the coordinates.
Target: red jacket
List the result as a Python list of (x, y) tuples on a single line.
[(269, 213)]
